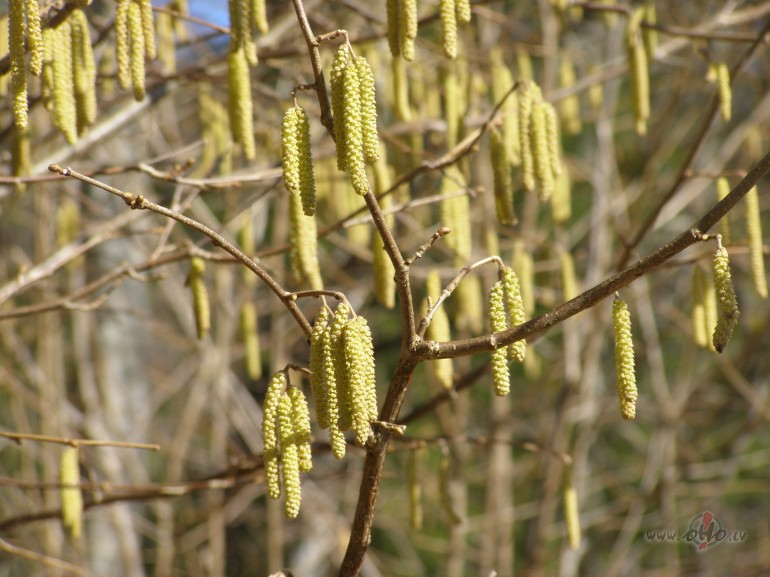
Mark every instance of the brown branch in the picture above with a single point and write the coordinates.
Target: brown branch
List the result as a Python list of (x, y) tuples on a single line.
[(138, 202), (21, 437)]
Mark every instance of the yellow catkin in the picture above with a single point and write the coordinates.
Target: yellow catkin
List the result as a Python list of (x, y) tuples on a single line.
[(514, 306), (561, 200), (524, 267), (71, 496), (180, 26), (393, 8), (502, 81), (337, 94), (292, 489), (148, 29), (650, 35), (352, 118), (455, 214), (700, 331), (452, 104), (16, 30), (34, 37), (569, 284), (526, 99), (215, 129), (414, 490), (438, 330), (570, 106), (553, 136), (166, 46), (371, 142), (501, 378), (540, 151), (250, 336), (624, 359), (297, 158), (637, 61), (240, 105), (725, 91), (524, 65), (723, 189), (303, 246), (571, 511), (502, 178), (270, 433), (138, 50), (64, 109), (448, 18), (727, 302), (407, 28), (361, 391), (300, 417), (463, 11), (123, 43), (333, 366), (318, 383), (84, 70), (259, 16), (200, 296), (756, 244)]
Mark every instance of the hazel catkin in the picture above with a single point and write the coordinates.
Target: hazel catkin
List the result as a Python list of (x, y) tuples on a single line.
[(624, 359), (727, 302), (289, 459), (501, 378), (270, 433), (200, 296), (298, 176), (70, 494), (448, 18), (515, 311), (756, 244)]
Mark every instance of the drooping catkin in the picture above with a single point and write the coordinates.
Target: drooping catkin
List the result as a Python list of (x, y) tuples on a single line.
[(463, 11), (83, 69), (123, 43), (303, 249), (337, 95), (571, 511), (723, 189), (371, 141), (637, 61), (561, 199), (570, 106), (250, 336), (501, 378), (200, 296), (300, 417), (289, 453), (64, 110), (335, 379), (701, 331), (569, 285), (241, 29), (502, 81), (270, 433), (502, 178), (297, 158), (553, 136), (724, 91), (166, 45), (393, 8), (414, 490), (240, 104), (514, 306), (756, 244), (448, 18), (624, 359), (650, 35), (70, 493), (259, 16), (360, 394), (455, 214), (438, 330), (407, 28), (353, 131), (452, 104), (526, 99), (318, 383), (540, 151), (727, 302), (16, 30), (138, 49), (34, 37)]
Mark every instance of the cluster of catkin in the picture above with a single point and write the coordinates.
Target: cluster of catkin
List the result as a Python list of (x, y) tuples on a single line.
[(505, 309), (354, 109), (286, 435), (342, 376), (402, 25), (134, 43)]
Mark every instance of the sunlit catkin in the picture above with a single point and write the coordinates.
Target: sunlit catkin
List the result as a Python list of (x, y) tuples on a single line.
[(303, 246), (64, 110), (197, 284), (83, 69), (71, 496), (361, 396), (569, 106), (371, 142), (650, 35), (569, 286), (561, 199), (725, 91), (463, 11), (727, 302), (438, 330), (756, 245), (297, 158), (240, 105), (448, 18), (571, 511), (270, 433), (723, 189), (354, 134), (414, 490), (123, 43), (553, 136), (501, 378), (540, 151), (334, 378), (138, 50), (455, 214), (250, 337), (624, 359), (394, 27), (16, 29), (526, 99), (337, 94), (407, 28), (700, 332), (502, 178), (259, 15), (300, 418), (637, 61), (289, 453), (317, 369), (515, 311), (34, 37)]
